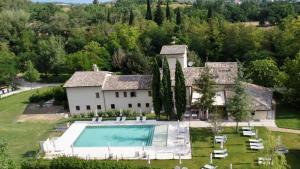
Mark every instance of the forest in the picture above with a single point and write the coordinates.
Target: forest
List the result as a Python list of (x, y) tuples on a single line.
[(126, 37)]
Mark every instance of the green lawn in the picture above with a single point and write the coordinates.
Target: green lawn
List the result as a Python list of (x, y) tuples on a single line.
[(287, 118), (23, 138), (239, 155)]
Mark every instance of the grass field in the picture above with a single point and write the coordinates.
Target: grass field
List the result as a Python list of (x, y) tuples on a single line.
[(23, 139), (287, 118), (239, 155)]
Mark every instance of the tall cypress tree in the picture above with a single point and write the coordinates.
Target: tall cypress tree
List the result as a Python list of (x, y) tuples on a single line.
[(178, 17), (156, 90), (180, 91), (158, 16), (108, 16), (131, 17), (168, 12), (148, 13), (167, 90)]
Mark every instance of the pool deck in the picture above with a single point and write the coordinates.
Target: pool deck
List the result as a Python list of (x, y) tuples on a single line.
[(176, 145)]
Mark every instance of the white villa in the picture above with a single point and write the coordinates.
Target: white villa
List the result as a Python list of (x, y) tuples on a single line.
[(97, 91)]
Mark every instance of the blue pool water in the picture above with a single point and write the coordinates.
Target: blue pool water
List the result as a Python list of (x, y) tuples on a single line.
[(69, 1), (115, 136)]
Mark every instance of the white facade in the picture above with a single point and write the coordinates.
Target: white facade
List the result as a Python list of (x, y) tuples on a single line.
[(82, 97), (182, 58), (142, 101)]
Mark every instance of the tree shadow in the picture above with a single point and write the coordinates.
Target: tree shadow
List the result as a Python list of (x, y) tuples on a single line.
[(200, 134), (30, 154), (293, 157)]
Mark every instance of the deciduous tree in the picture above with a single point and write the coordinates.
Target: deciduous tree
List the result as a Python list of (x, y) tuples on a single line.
[(31, 74)]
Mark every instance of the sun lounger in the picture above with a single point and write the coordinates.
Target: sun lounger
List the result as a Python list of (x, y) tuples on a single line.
[(257, 147), (281, 150), (118, 119), (99, 119), (94, 119), (184, 168), (138, 119), (255, 144), (144, 118), (247, 128), (220, 155), (249, 133), (208, 166), (255, 140), (177, 167), (263, 161), (220, 151), (123, 119)]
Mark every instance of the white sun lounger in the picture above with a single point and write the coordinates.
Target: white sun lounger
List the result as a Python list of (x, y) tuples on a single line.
[(94, 119), (255, 140), (208, 166), (249, 133), (144, 118), (137, 118), (99, 119), (220, 151), (247, 128), (263, 161), (123, 119), (255, 144), (118, 119), (220, 155), (258, 147)]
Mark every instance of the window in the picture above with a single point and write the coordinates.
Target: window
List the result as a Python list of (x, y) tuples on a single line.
[(139, 105), (97, 95), (117, 94), (99, 107), (112, 106), (129, 105), (149, 93), (132, 94), (88, 107), (77, 107), (147, 104), (125, 94)]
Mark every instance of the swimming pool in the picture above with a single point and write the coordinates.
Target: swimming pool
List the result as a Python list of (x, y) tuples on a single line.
[(115, 136)]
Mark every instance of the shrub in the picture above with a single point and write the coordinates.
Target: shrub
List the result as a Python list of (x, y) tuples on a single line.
[(38, 97), (35, 164), (60, 96)]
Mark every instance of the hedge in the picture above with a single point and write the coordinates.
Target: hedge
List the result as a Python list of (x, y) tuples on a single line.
[(76, 163), (58, 94)]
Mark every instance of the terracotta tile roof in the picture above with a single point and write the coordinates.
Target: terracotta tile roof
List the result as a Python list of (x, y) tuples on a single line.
[(128, 82), (173, 49), (86, 79)]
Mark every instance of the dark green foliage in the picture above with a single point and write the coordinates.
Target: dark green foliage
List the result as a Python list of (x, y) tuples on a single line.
[(168, 12), (8, 65), (167, 90), (58, 94), (158, 15), (95, 2), (180, 91), (31, 74), (148, 13), (178, 17), (5, 161), (156, 89), (76, 163), (131, 18)]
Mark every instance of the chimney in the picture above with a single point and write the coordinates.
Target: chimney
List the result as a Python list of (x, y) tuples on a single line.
[(95, 68)]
